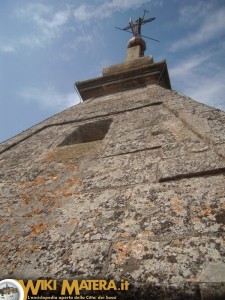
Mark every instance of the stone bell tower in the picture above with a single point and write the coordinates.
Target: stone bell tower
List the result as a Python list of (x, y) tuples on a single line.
[(128, 185)]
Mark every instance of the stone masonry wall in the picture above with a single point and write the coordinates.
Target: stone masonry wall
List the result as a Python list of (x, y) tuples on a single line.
[(146, 203)]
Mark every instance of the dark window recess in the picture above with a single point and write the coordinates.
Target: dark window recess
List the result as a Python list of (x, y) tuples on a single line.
[(89, 132)]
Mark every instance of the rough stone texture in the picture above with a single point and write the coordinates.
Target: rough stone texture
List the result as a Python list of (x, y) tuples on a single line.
[(134, 62), (146, 203)]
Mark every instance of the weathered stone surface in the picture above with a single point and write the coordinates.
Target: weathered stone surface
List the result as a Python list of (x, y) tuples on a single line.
[(129, 78), (206, 121), (37, 259), (213, 291), (191, 165), (142, 260), (213, 272), (146, 203), (135, 62)]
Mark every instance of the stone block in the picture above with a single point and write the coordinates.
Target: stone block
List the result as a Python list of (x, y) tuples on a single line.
[(192, 165)]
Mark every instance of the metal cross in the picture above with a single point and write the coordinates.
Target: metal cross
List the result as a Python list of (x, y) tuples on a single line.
[(136, 26)]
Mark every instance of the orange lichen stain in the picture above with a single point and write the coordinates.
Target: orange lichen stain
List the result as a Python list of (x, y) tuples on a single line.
[(72, 168), (29, 238), (192, 278), (177, 220), (33, 248), (177, 243), (145, 234), (38, 228), (195, 219), (34, 212), (4, 238), (65, 191), (221, 193), (176, 205), (4, 252), (122, 235), (71, 181), (53, 175), (123, 250), (73, 222), (12, 267), (135, 249), (49, 156), (17, 235), (207, 211), (57, 183), (54, 207), (46, 198), (194, 209), (40, 180), (202, 211), (37, 181), (67, 195), (77, 180), (26, 198)]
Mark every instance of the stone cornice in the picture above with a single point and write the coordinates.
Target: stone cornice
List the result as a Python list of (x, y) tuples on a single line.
[(128, 75)]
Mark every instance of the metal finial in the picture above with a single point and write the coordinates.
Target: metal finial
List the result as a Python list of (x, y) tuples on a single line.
[(136, 26)]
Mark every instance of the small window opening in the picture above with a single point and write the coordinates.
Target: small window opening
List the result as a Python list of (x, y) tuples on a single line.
[(89, 132)]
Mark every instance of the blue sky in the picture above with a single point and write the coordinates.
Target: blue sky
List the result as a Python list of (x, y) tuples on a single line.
[(47, 45)]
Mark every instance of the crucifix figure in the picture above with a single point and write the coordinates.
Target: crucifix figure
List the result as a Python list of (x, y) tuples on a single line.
[(136, 26)]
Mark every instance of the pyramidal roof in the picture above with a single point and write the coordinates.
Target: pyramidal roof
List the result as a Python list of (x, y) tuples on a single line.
[(127, 185)]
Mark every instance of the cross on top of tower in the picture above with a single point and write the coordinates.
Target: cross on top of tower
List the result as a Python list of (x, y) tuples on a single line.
[(136, 26)]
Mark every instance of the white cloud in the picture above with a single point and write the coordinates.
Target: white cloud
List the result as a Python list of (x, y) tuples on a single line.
[(83, 12), (210, 90), (192, 12), (201, 79), (49, 24), (107, 8), (211, 27), (189, 65), (7, 49), (49, 97), (87, 41)]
